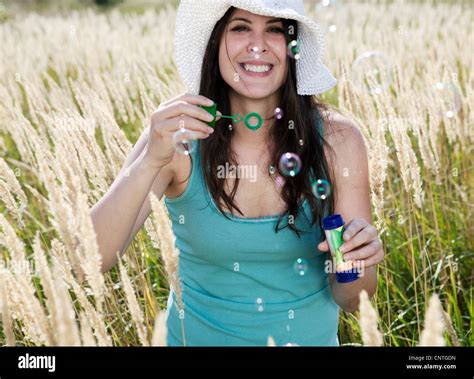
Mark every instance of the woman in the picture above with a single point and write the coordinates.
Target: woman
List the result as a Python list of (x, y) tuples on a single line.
[(252, 260)]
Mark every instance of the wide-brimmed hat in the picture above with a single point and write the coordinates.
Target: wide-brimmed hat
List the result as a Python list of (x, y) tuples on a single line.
[(196, 19)]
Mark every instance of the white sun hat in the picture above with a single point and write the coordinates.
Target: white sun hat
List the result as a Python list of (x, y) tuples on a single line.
[(195, 20)]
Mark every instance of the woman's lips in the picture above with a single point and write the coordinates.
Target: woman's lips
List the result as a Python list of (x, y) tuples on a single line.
[(256, 74)]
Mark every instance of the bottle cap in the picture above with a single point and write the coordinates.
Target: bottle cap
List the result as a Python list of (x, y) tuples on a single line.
[(332, 222), (347, 276)]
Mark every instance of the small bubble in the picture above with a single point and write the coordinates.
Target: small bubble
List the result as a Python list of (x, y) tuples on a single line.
[(259, 303), (321, 189), (280, 182), (184, 141), (230, 127), (447, 98), (290, 164), (255, 50), (293, 50), (271, 169), (300, 266), (372, 71), (278, 113), (301, 142)]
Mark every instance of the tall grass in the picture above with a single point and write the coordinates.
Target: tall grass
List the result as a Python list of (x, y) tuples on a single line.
[(75, 92)]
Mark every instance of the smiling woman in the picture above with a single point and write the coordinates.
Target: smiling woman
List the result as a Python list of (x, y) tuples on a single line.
[(246, 68), (252, 59), (237, 58)]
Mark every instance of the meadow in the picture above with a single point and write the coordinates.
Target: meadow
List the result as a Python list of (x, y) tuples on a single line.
[(78, 87)]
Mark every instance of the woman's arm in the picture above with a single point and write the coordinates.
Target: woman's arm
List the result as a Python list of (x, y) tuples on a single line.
[(119, 215), (351, 175)]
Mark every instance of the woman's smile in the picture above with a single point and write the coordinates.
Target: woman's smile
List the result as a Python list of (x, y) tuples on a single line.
[(256, 69)]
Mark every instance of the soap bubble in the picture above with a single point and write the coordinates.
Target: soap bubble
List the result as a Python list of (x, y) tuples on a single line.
[(184, 141), (321, 189), (293, 50), (300, 266), (255, 50), (278, 113), (290, 164), (271, 169), (260, 304), (326, 13), (372, 71), (280, 182), (447, 99), (328, 4)]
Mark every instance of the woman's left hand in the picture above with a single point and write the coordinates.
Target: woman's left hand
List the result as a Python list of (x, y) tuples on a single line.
[(361, 244)]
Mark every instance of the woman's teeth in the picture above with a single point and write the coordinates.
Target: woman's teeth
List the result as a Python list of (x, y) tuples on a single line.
[(260, 68)]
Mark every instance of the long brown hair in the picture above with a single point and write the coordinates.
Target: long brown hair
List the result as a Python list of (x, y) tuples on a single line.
[(215, 151)]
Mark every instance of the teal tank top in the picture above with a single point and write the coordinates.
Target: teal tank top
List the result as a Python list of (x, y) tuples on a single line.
[(239, 283)]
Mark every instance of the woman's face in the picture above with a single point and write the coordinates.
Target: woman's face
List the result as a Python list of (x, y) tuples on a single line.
[(252, 55)]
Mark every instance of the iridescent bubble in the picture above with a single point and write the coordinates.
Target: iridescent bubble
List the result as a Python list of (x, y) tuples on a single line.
[(260, 304), (326, 13), (321, 189), (184, 141), (300, 266), (280, 182), (271, 169), (293, 50), (278, 113), (328, 3), (255, 50), (290, 164), (372, 72), (447, 98)]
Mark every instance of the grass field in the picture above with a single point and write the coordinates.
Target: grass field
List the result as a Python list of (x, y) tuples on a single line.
[(78, 87)]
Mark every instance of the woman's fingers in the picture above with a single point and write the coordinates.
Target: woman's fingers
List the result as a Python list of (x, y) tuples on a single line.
[(179, 108), (353, 227), (191, 99), (365, 252), (200, 128), (362, 237), (323, 246)]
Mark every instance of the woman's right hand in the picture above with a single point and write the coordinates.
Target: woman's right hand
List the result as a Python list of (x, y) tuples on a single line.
[(179, 112)]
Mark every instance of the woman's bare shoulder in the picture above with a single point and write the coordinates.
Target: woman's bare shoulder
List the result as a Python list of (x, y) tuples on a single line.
[(342, 133), (346, 148)]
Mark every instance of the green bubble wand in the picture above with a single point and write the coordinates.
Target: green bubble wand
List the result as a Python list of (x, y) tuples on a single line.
[(236, 117)]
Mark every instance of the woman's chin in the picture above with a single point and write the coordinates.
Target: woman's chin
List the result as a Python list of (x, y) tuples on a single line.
[(253, 93)]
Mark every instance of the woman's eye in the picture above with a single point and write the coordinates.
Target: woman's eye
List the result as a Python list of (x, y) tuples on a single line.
[(239, 28), (242, 28), (277, 30)]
